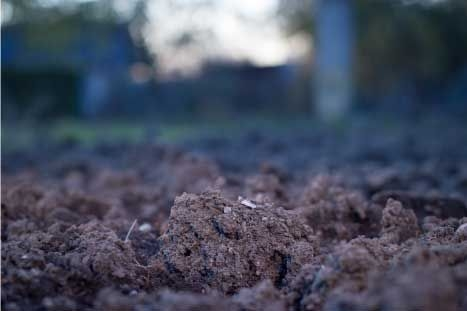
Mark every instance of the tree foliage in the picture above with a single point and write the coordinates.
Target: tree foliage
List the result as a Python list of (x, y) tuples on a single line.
[(420, 40)]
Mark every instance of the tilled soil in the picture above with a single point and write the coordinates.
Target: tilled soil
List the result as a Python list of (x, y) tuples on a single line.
[(363, 219)]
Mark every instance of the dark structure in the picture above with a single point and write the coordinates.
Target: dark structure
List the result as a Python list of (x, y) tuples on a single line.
[(66, 68), (224, 89)]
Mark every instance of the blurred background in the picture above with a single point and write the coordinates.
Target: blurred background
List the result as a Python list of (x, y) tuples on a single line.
[(134, 69)]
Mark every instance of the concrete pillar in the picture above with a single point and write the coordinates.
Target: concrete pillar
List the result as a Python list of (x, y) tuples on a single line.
[(334, 56)]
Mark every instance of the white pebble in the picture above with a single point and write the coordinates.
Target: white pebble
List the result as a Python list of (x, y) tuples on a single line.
[(145, 227), (227, 209), (462, 231), (248, 203)]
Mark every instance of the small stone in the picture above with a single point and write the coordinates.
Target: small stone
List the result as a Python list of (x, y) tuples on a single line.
[(145, 227), (461, 232), (248, 203), (48, 302), (227, 209)]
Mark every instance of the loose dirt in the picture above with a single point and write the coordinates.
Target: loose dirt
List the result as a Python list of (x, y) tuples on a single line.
[(366, 219)]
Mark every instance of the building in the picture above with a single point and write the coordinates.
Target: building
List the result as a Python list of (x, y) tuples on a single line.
[(70, 68)]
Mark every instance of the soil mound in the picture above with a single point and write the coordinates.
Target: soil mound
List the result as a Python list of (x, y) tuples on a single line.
[(357, 221)]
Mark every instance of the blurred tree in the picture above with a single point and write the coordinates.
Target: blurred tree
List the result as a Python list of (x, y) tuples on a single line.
[(82, 42), (61, 16), (30, 11), (61, 19), (297, 15), (424, 42)]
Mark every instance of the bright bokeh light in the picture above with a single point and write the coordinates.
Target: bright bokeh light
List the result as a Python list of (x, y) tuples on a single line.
[(183, 34)]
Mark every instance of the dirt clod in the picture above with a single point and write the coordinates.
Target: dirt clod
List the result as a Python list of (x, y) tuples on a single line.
[(204, 247)]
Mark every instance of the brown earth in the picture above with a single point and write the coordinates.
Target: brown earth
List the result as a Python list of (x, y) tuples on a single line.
[(337, 223)]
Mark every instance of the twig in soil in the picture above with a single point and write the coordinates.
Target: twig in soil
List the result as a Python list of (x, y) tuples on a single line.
[(131, 229)]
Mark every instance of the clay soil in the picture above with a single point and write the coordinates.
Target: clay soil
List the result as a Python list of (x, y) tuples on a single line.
[(356, 219)]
